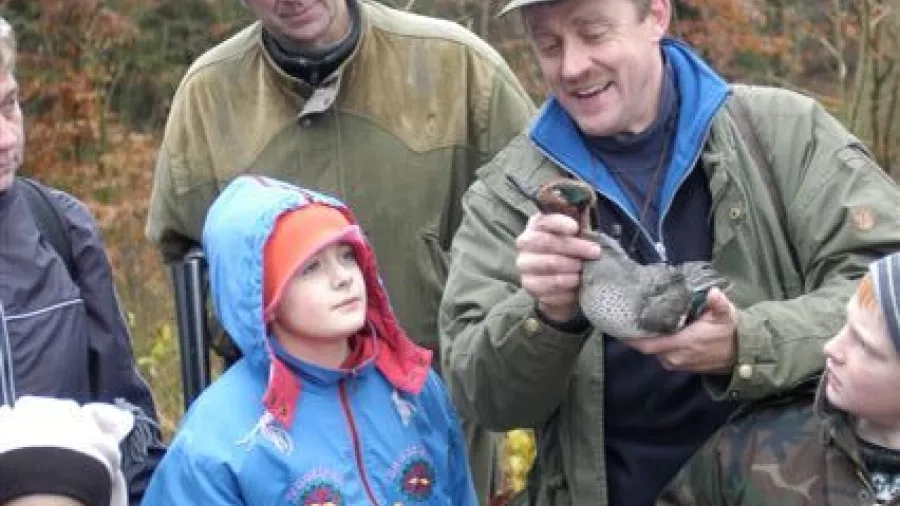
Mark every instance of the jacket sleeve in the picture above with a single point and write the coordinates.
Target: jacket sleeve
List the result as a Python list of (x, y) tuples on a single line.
[(114, 372), (842, 213), (460, 484), (142, 450), (114, 376), (186, 478), (183, 181), (506, 111), (503, 366)]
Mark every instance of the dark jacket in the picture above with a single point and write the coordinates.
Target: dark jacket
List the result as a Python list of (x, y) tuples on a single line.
[(66, 338)]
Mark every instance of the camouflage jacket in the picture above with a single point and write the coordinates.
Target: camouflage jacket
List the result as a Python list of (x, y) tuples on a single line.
[(791, 450)]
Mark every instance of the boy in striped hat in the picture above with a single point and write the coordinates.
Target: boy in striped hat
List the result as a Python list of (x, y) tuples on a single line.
[(836, 443)]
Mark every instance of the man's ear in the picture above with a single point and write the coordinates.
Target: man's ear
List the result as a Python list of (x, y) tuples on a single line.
[(660, 17)]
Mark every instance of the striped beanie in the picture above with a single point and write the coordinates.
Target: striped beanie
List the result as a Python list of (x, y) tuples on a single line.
[(886, 278)]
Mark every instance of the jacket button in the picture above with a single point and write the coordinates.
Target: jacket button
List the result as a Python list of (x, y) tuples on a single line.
[(735, 213), (532, 325), (745, 371)]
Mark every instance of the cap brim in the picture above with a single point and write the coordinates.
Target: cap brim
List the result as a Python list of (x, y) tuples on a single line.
[(518, 4)]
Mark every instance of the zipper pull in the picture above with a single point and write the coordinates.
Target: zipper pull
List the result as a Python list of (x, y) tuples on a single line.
[(661, 251), (404, 408)]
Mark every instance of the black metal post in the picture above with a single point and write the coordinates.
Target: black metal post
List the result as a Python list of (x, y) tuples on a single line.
[(190, 283)]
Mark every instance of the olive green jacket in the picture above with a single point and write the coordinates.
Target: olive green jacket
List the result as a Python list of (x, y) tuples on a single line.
[(397, 133), (796, 450), (507, 369)]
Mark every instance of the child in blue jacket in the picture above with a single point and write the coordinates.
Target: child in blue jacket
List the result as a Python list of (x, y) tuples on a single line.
[(331, 403)]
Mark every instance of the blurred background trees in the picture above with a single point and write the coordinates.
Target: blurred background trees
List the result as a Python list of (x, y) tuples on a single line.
[(97, 77)]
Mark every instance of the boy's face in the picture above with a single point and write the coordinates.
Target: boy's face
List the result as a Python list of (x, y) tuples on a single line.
[(863, 367), (325, 300)]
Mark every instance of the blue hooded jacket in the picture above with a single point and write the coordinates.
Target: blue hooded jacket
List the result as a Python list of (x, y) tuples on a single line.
[(383, 432)]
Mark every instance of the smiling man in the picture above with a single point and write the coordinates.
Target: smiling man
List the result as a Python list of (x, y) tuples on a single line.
[(761, 182), (841, 446)]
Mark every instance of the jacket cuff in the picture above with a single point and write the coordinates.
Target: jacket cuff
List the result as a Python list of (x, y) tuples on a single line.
[(578, 324), (754, 363)]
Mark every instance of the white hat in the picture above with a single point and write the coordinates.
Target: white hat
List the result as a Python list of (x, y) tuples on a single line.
[(56, 447)]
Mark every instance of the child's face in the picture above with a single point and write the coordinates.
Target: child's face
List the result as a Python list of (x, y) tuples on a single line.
[(325, 300), (863, 368)]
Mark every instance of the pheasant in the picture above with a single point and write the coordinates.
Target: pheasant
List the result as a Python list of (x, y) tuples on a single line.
[(618, 296)]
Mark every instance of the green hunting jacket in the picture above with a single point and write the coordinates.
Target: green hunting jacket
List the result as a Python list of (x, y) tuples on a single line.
[(397, 132), (796, 450), (506, 368)]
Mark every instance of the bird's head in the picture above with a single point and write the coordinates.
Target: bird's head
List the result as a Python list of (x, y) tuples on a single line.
[(567, 196)]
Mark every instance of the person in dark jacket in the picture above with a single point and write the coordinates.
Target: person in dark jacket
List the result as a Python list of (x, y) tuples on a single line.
[(62, 333), (838, 444)]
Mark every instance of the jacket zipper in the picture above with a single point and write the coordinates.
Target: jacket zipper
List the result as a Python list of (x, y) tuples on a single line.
[(354, 435), (7, 379), (660, 246)]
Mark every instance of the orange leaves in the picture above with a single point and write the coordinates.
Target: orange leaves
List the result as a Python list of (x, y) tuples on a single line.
[(729, 31)]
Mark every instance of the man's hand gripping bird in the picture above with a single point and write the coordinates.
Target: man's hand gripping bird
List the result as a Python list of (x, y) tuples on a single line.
[(618, 296)]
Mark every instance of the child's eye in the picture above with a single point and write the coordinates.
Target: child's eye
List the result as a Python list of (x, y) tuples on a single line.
[(310, 267), (349, 255)]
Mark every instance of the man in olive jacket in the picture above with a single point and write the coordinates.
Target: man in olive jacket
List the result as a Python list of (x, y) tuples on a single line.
[(389, 111), (762, 182)]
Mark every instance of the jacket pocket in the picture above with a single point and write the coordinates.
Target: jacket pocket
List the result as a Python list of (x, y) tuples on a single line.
[(51, 338), (435, 258)]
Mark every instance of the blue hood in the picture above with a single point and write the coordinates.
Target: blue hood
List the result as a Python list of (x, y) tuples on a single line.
[(234, 235)]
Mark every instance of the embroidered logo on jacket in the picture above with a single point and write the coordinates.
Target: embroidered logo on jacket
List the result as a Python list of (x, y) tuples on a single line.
[(414, 474), (418, 480), (319, 487), (320, 494)]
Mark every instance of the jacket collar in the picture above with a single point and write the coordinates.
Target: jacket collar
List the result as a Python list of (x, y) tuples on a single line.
[(837, 426), (315, 100), (700, 90), (363, 357)]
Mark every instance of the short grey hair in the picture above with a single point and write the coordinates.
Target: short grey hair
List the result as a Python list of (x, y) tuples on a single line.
[(7, 47)]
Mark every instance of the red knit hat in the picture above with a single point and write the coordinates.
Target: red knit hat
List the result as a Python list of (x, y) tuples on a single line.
[(297, 236)]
